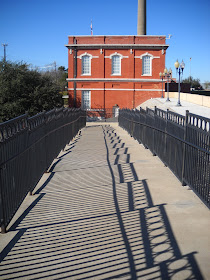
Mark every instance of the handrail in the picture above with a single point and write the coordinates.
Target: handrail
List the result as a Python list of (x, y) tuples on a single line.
[(169, 134), (27, 148), (181, 142)]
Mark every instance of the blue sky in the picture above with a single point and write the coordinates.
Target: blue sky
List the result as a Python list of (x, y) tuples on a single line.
[(37, 30)]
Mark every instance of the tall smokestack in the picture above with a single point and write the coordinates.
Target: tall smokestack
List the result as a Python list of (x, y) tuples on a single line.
[(141, 28)]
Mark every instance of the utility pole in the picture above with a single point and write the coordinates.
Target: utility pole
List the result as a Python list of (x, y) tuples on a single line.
[(55, 70), (55, 65), (190, 72), (4, 45)]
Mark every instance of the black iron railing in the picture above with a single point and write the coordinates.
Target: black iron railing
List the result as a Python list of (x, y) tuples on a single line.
[(27, 148), (110, 114), (181, 142)]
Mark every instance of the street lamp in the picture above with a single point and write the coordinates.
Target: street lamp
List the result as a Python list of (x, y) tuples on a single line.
[(179, 69), (162, 76), (168, 74)]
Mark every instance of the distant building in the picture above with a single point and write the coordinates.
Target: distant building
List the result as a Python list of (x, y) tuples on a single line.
[(109, 70), (105, 71)]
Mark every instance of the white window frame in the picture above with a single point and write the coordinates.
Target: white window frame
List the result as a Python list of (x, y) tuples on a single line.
[(151, 58), (89, 99), (91, 57), (89, 68), (150, 65), (120, 58)]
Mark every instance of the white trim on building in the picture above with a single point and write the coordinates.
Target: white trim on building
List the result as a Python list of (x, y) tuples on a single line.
[(116, 53), (91, 56), (115, 89), (113, 80), (147, 54)]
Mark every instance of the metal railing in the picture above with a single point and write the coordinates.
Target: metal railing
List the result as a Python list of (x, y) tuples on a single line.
[(110, 114), (181, 142), (27, 148)]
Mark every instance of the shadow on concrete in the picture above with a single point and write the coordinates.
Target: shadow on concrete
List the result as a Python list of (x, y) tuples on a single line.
[(96, 223)]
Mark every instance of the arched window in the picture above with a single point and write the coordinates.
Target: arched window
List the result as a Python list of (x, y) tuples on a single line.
[(86, 65), (116, 65), (146, 65)]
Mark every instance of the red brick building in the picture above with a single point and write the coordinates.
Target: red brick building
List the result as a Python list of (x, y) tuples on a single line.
[(108, 70)]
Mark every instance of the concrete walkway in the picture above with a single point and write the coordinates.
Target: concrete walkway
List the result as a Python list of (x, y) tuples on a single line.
[(108, 209), (161, 103)]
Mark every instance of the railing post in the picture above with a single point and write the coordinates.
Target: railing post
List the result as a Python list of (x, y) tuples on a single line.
[(45, 142), (155, 110), (166, 137), (153, 132), (3, 228), (2, 212), (139, 126), (3, 222), (132, 127), (184, 148)]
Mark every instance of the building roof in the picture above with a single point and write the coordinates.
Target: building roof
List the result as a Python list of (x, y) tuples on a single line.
[(118, 41)]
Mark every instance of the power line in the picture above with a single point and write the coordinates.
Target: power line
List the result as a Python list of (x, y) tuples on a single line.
[(52, 65)]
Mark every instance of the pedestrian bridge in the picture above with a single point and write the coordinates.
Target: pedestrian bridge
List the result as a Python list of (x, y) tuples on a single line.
[(107, 209)]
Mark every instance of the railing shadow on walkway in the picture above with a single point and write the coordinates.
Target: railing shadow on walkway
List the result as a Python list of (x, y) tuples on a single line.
[(96, 231), (181, 142), (28, 146)]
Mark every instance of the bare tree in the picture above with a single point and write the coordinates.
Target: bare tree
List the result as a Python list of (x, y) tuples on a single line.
[(206, 85)]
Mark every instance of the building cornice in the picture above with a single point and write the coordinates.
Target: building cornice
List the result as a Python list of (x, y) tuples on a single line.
[(117, 46), (92, 36)]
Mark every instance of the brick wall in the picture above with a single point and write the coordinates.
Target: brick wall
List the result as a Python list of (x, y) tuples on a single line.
[(129, 89)]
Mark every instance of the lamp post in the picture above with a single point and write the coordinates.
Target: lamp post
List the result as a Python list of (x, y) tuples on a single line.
[(168, 76), (162, 76), (179, 69)]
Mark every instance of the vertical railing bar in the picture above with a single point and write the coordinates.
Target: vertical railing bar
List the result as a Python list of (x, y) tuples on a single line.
[(184, 148)]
